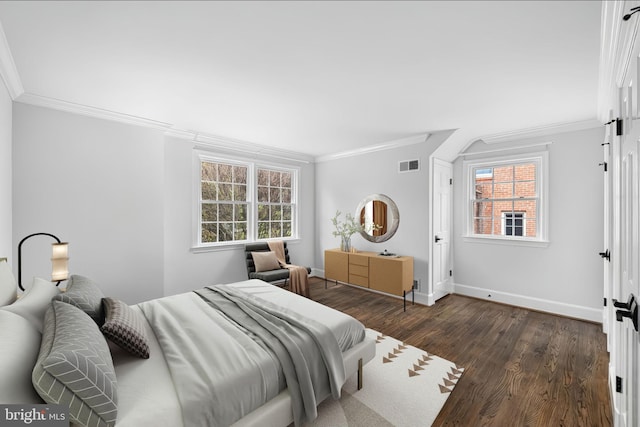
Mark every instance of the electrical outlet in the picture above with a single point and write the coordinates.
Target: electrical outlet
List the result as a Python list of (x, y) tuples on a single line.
[(416, 283)]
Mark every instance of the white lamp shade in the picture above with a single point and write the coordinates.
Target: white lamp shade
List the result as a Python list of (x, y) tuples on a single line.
[(59, 261)]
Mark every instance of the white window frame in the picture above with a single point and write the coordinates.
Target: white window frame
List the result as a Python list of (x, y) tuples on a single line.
[(541, 159), (252, 199)]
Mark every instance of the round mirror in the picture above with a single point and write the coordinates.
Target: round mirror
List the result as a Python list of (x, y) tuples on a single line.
[(379, 217)]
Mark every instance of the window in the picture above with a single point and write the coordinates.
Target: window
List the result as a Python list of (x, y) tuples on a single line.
[(275, 207), (507, 198), (240, 202)]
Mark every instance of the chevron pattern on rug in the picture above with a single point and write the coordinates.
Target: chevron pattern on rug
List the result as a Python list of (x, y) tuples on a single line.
[(403, 386)]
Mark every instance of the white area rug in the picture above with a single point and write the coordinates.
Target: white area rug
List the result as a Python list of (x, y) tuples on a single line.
[(403, 386)]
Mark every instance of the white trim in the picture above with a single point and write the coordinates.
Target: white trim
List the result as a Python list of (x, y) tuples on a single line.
[(416, 139), (505, 151), (8, 70), (570, 310), (85, 110)]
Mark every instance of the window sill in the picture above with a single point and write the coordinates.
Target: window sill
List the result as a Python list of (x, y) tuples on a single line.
[(509, 241), (231, 246)]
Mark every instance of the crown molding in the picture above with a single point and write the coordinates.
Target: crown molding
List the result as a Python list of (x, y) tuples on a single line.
[(415, 139), (8, 70), (219, 143), (85, 110), (534, 132)]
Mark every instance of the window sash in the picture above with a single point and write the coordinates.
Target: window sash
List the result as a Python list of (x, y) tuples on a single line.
[(487, 206), (228, 211)]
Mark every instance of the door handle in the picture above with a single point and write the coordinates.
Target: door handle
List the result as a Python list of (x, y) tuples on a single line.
[(438, 239), (631, 312), (605, 255)]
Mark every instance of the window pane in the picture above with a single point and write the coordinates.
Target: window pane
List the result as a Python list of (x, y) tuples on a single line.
[(276, 229), (240, 213), (286, 179), (225, 173), (239, 192), (226, 232), (484, 191), (503, 174), (263, 230), (286, 212), (482, 225), (525, 189), (274, 195), (286, 229), (225, 212), (209, 233), (208, 191), (482, 209), (225, 192), (276, 213), (240, 174), (286, 195), (208, 171), (274, 179), (263, 212), (209, 212), (263, 194), (526, 172), (263, 177), (241, 231), (503, 191)]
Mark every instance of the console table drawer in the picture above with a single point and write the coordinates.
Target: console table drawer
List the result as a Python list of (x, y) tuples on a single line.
[(359, 280), (358, 259), (359, 270)]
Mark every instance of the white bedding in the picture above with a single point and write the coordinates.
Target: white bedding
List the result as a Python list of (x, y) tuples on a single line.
[(146, 388)]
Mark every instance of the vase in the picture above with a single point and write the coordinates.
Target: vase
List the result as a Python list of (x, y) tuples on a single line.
[(345, 244)]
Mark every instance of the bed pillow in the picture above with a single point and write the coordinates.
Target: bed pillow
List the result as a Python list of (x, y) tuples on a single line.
[(74, 367), (8, 289), (265, 261), (34, 302), (124, 327), (18, 353), (86, 295)]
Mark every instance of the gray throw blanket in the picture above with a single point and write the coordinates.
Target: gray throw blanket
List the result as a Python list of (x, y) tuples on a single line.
[(307, 350)]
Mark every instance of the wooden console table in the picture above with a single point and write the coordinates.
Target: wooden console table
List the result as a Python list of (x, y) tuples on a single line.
[(392, 275)]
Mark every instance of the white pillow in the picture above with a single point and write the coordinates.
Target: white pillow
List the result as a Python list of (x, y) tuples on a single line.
[(18, 354), (34, 302), (8, 290)]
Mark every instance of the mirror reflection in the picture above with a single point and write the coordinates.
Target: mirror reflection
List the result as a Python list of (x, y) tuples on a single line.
[(379, 217)]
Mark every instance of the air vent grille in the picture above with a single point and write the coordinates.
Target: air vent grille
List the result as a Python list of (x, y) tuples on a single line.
[(408, 166)]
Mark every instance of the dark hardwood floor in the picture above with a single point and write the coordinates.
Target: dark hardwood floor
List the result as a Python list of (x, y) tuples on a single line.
[(522, 368)]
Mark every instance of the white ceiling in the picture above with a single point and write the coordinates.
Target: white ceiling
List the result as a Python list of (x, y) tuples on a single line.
[(315, 77)]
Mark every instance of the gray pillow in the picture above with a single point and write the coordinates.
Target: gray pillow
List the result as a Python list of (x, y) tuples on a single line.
[(86, 295), (74, 367)]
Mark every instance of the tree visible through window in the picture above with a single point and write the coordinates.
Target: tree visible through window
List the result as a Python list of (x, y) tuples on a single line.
[(240, 201), (275, 216), (223, 201)]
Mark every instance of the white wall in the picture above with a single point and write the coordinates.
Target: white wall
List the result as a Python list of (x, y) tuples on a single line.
[(6, 239), (121, 195), (342, 183), (98, 185), (565, 277)]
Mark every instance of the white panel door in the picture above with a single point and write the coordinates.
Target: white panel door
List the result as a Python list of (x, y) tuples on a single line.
[(441, 244)]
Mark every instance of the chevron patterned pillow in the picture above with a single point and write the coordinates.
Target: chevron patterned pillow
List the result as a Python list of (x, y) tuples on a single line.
[(85, 294), (74, 367), (125, 327)]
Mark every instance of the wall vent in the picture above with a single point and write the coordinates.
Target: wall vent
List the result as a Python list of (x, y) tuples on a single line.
[(409, 165)]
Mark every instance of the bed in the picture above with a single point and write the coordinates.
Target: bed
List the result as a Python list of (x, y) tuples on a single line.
[(208, 364)]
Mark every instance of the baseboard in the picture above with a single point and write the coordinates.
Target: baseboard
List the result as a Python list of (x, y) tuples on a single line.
[(563, 309)]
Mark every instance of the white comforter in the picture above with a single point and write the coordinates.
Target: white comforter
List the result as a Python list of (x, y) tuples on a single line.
[(218, 372)]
